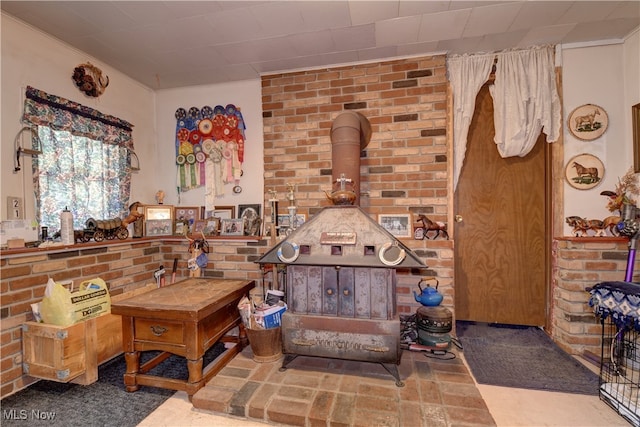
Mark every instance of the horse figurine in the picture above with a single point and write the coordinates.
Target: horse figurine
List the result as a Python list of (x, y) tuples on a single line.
[(437, 226), (581, 226), (611, 223)]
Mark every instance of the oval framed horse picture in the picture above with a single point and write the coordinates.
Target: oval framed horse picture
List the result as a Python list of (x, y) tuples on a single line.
[(584, 171), (588, 122)]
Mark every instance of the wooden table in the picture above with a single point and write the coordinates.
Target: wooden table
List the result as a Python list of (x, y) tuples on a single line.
[(186, 319)]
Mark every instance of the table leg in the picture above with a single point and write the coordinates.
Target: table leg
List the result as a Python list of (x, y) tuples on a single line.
[(133, 367), (195, 380), (243, 340)]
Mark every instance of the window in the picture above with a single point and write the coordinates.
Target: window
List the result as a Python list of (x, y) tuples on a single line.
[(85, 163)]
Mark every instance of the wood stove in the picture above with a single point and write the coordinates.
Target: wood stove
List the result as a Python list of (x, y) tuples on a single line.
[(340, 281)]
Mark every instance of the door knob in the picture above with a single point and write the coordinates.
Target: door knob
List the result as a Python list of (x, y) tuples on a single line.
[(458, 218)]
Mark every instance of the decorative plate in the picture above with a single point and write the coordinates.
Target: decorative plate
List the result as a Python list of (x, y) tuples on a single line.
[(584, 171), (588, 122)]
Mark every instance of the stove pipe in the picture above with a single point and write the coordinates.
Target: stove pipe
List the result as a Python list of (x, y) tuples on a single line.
[(350, 134)]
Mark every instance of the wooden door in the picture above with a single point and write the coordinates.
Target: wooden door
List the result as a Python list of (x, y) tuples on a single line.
[(500, 256)]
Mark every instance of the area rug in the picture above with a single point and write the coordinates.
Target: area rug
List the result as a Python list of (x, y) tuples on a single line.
[(522, 357), (103, 403)]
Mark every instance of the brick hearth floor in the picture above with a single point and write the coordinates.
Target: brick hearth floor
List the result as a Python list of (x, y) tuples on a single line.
[(320, 392)]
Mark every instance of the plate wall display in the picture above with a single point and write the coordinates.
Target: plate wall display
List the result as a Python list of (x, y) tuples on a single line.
[(588, 122), (584, 171)]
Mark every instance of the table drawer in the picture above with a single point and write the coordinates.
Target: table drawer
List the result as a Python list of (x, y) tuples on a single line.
[(159, 331)]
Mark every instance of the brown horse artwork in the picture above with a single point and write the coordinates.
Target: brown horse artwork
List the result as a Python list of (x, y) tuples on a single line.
[(429, 225), (586, 121)]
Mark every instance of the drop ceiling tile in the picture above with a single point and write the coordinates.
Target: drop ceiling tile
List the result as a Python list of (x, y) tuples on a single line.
[(609, 30), (278, 18), (256, 50), (422, 48), (626, 9), (553, 34), (320, 15), (313, 43), (501, 41), (366, 12), (234, 25), (460, 46), (587, 11), (378, 53), (491, 19), (397, 31), (409, 8), (443, 26), (353, 38), (539, 13)]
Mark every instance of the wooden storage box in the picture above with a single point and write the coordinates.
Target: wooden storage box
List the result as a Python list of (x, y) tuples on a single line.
[(73, 353), (54, 352)]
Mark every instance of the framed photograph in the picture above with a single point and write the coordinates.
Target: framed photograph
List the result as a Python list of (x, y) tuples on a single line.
[(158, 212), (181, 227), (211, 226), (635, 127), (397, 224), (189, 213), (198, 226), (588, 122), (158, 227), (232, 227), (224, 212), (252, 219), (284, 222), (584, 171)]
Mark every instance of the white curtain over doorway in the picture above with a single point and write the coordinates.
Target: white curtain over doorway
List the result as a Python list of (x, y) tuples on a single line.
[(524, 94)]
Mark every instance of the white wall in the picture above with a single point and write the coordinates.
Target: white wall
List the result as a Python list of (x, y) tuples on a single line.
[(606, 76), (33, 58), (245, 95)]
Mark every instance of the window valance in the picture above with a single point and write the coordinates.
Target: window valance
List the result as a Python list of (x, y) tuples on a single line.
[(41, 108)]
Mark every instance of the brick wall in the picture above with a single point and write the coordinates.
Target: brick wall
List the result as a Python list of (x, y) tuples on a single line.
[(123, 265), (580, 263), (404, 169)]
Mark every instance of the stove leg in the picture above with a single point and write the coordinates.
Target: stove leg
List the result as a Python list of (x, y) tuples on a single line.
[(393, 370), (288, 358)]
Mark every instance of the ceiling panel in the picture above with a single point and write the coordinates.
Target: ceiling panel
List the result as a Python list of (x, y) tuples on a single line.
[(166, 44)]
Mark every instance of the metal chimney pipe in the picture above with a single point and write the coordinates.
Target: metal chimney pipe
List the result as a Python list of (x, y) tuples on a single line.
[(350, 134)]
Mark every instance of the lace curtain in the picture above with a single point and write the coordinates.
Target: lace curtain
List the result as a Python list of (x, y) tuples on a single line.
[(524, 95), (85, 163)]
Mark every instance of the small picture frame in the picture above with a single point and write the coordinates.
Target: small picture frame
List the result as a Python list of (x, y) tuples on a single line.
[(584, 171), (252, 219), (189, 213), (588, 122), (232, 227), (397, 224), (158, 227), (224, 212), (181, 227), (212, 226), (198, 227), (158, 212), (284, 222)]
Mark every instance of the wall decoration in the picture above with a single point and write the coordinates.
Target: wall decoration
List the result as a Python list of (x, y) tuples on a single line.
[(209, 149), (158, 212), (188, 213), (89, 79), (232, 227), (584, 171), (224, 212), (588, 122), (397, 224), (158, 227)]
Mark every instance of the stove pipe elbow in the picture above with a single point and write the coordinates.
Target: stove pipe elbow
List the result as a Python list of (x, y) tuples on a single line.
[(350, 134)]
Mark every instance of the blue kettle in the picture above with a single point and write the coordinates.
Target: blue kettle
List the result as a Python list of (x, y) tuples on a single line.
[(429, 296)]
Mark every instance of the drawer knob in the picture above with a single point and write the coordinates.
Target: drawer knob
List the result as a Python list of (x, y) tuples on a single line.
[(346, 292), (329, 291), (158, 330)]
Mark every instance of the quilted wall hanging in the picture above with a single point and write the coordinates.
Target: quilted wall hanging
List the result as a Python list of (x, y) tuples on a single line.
[(209, 149)]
